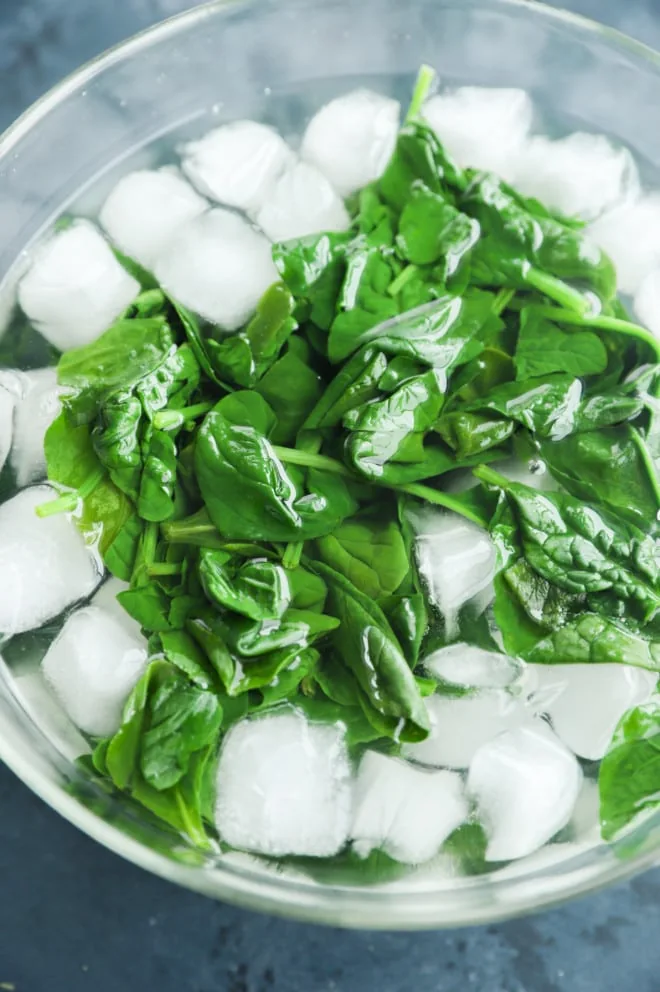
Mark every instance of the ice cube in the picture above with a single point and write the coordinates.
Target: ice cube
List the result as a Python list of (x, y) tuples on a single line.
[(482, 128), (525, 783), (460, 726), (630, 235), (302, 202), (581, 175), (37, 408), (45, 564), (218, 266), (105, 598), (586, 701), (75, 287), (91, 666), (237, 164), (284, 787), (7, 404), (351, 139), (146, 209), (584, 825), (405, 811), (466, 665), (647, 301), (456, 560)]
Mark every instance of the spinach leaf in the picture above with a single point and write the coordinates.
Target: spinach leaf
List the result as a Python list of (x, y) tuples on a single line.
[(313, 269), (292, 389), (582, 550), (370, 649), (72, 462), (543, 348), (547, 406), (418, 155), (248, 491), (630, 771), (450, 331), (431, 228), (255, 588), (356, 383), (582, 462), (591, 637), (155, 501), (370, 552)]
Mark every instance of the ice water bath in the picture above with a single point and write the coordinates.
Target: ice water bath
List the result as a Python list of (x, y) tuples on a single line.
[(329, 488)]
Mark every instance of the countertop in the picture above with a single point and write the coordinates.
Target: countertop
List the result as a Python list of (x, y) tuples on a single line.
[(76, 918)]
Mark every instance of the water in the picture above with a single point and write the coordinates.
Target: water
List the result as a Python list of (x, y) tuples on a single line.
[(523, 709)]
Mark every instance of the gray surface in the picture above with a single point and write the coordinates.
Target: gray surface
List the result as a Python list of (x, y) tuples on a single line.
[(74, 917)]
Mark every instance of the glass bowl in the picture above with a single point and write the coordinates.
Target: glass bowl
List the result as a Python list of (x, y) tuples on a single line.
[(278, 61)]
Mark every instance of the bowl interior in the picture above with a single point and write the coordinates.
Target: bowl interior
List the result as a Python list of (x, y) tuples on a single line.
[(278, 62)]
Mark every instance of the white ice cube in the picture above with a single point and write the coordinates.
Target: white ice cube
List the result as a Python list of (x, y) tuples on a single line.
[(351, 139), (91, 666), (456, 560), (76, 287), (284, 787), (35, 411), (237, 163), (467, 665), (525, 783), (405, 811), (586, 701), (482, 128), (105, 598), (580, 175), (584, 824), (302, 202), (647, 301), (7, 405), (218, 266), (45, 564), (146, 209), (630, 235), (459, 726)]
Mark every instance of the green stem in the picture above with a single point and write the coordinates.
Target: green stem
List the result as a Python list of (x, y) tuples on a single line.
[(68, 502), (423, 86), (307, 459), (557, 290), (427, 493), (502, 300), (649, 464), (169, 420), (492, 478), (292, 555), (163, 568), (401, 280), (439, 498), (146, 554), (603, 323), (195, 831)]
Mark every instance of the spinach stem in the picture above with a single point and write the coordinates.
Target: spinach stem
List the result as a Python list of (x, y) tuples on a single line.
[(168, 420), (649, 465), (163, 568), (307, 459), (502, 300), (293, 554), (603, 323), (558, 290), (146, 554), (423, 85), (195, 832), (439, 498), (427, 493), (68, 502), (401, 280), (492, 478)]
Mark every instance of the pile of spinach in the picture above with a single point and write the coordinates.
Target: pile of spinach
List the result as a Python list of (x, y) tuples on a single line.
[(254, 489)]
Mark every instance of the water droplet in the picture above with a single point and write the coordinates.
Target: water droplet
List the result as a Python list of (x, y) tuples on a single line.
[(267, 91)]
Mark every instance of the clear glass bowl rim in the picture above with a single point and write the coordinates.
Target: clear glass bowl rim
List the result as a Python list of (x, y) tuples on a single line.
[(280, 895)]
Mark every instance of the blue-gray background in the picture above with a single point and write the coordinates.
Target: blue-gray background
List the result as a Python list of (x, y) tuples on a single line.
[(74, 917)]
